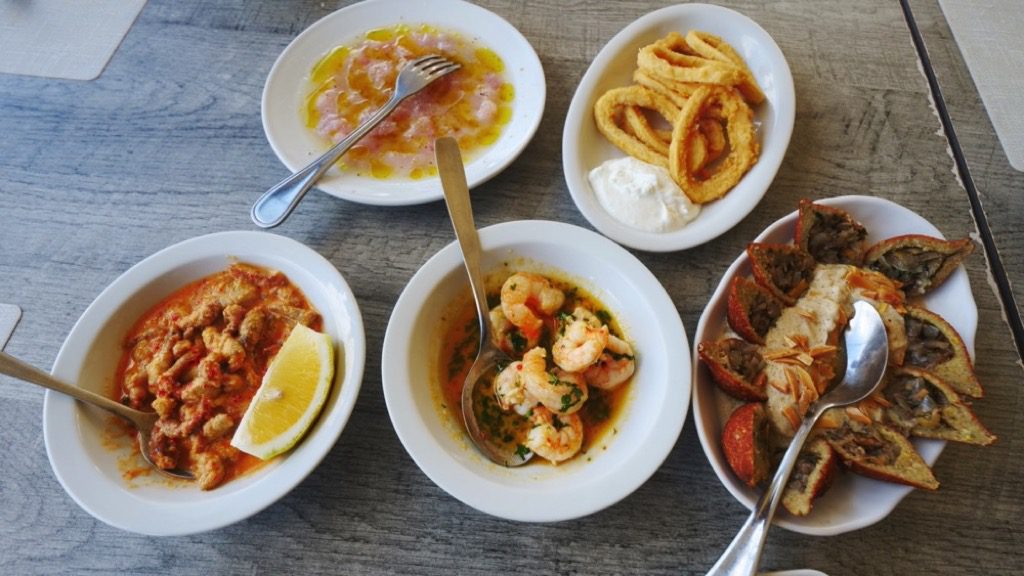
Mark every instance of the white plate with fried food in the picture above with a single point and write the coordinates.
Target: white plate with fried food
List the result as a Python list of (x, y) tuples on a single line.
[(585, 148), (853, 501), (95, 457), (467, 27)]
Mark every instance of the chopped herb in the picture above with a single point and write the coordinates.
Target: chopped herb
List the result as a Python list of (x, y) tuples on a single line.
[(620, 356), (518, 341), (493, 300), (522, 451), (574, 396), (604, 316)]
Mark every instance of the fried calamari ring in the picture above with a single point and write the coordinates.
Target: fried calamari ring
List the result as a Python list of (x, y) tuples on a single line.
[(707, 145), (672, 58), (610, 107), (638, 125), (714, 48), (677, 92), (744, 148)]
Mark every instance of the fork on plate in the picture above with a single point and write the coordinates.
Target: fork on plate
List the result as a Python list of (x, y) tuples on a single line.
[(276, 204)]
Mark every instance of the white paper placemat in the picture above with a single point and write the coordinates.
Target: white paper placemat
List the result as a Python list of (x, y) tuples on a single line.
[(990, 34), (70, 39), (9, 316)]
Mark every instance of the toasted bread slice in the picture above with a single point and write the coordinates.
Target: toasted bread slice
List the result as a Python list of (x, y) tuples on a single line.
[(830, 235), (736, 366), (745, 443), (878, 451), (752, 309), (812, 475), (785, 270), (936, 346), (923, 405), (921, 263)]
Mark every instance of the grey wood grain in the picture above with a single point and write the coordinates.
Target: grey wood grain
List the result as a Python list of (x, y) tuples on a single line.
[(167, 144)]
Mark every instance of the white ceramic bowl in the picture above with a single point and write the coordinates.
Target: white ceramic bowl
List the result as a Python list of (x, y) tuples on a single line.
[(584, 148), (78, 437), (853, 501), (647, 428), (285, 91)]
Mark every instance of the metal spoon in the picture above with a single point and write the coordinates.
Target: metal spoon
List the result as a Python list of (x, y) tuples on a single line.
[(867, 354), (277, 203), (143, 421), (456, 197)]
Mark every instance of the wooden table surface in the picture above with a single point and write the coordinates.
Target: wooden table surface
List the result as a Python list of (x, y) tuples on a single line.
[(167, 144)]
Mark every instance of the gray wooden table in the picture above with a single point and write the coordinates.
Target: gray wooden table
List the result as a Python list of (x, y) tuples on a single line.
[(167, 144)]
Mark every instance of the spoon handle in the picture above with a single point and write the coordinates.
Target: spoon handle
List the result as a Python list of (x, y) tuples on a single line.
[(456, 197), (276, 204), (11, 366), (743, 555)]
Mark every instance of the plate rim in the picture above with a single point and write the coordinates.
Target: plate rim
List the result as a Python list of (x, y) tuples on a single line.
[(427, 189), (92, 493), (721, 469), (434, 461), (575, 175)]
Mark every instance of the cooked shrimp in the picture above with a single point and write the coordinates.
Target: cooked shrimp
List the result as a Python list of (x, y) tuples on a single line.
[(510, 391), (507, 336), (526, 298), (554, 437), (561, 392), (581, 342), (615, 366)]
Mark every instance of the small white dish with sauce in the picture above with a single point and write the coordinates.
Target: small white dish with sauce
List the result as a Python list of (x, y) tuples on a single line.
[(644, 431), (287, 85), (853, 501), (584, 148), (83, 446)]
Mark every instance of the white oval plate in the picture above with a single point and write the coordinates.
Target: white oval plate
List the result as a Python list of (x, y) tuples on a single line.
[(83, 461), (853, 501), (584, 148), (285, 90), (646, 430)]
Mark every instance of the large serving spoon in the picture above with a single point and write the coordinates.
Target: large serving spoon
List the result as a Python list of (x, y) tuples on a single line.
[(456, 197), (143, 421), (867, 354), (277, 203)]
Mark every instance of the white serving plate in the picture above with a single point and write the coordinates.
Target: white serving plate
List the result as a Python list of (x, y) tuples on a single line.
[(853, 501), (285, 91), (584, 148), (647, 429), (77, 436)]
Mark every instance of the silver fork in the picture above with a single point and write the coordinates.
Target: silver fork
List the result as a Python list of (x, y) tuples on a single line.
[(277, 203)]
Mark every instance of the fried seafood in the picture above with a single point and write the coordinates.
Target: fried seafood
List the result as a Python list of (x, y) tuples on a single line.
[(791, 314), (721, 104), (921, 263), (610, 107), (702, 89)]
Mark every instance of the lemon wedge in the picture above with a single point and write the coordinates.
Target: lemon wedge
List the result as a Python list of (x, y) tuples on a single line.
[(292, 393)]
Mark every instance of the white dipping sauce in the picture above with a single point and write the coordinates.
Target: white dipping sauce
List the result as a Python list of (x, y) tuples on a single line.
[(641, 195)]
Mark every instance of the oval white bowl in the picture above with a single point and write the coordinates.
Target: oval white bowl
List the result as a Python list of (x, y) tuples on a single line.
[(646, 430), (853, 501), (77, 436), (584, 148), (285, 90)]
